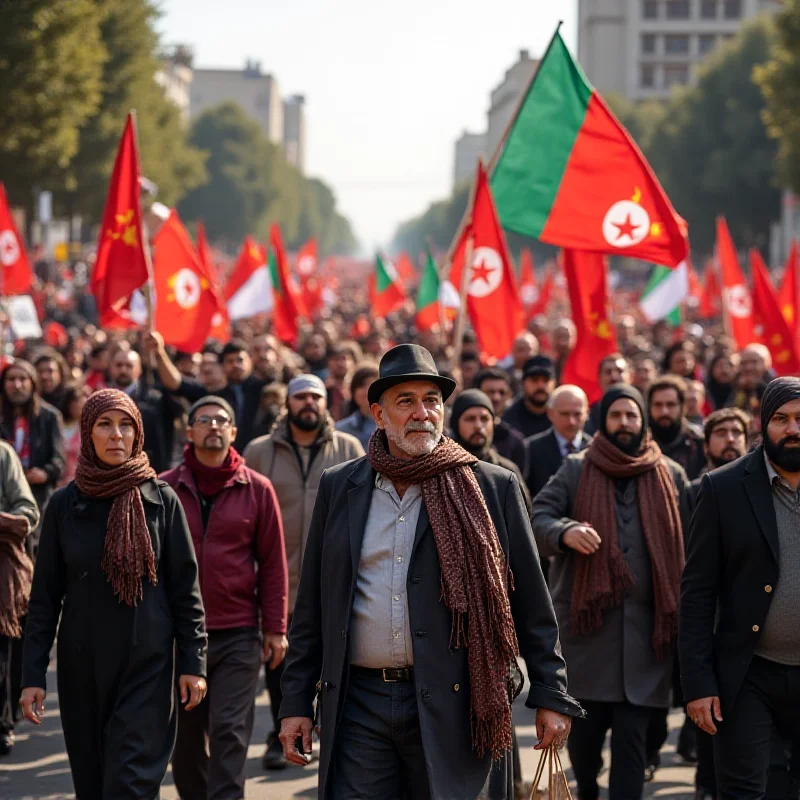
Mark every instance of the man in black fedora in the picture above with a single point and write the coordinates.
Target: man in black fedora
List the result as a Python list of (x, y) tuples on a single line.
[(406, 626)]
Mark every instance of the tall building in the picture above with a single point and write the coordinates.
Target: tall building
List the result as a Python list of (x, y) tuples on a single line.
[(175, 77), (256, 92), (469, 148), (294, 130), (642, 48)]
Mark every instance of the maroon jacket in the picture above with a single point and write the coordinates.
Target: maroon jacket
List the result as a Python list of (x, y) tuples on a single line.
[(241, 554)]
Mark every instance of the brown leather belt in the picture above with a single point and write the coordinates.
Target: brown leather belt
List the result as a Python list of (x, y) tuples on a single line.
[(387, 675)]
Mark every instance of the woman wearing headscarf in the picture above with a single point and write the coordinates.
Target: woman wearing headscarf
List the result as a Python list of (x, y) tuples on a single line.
[(117, 554)]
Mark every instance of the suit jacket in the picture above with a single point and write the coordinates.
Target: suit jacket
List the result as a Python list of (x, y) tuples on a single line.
[(318, 640), (731, 570), (543, 458)]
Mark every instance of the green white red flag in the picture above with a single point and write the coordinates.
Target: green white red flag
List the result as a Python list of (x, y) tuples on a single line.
[(570, 174)]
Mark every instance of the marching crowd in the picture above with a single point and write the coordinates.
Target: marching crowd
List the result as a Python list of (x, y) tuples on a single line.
[(302, 509)]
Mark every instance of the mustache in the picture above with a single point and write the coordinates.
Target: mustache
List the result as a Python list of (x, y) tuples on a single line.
[(428, 427)]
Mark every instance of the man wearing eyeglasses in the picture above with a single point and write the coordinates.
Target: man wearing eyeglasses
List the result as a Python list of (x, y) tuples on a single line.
[(236, 527)]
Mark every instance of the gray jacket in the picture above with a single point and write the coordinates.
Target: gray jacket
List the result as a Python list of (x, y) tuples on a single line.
[(617, 661)]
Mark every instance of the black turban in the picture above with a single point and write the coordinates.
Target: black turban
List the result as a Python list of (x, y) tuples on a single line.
[(777, 393)]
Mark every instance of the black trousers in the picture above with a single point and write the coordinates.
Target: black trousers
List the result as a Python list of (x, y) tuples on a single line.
[(10, 681), (767, 704), (378, 751), (628, 724), (211, 749), (273, 682)]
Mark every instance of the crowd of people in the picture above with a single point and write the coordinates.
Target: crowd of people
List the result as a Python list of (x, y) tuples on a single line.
[(228, 499)]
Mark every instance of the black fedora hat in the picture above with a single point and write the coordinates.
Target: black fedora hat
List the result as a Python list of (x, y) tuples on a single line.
[(408, 362)]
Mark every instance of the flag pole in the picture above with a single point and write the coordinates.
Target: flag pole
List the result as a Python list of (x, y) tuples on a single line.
[(461, 320), (499, 147), (148, 257)]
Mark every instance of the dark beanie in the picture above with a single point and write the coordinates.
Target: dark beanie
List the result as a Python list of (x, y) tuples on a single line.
[(212, 400), (777, 393), (621, 391), (466, 400)]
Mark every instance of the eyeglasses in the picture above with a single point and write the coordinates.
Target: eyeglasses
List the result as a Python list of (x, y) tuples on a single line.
[(205, 421)]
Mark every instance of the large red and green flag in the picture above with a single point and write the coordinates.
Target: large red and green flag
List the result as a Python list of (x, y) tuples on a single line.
[(288, 304), (386, 289), (570, 174)]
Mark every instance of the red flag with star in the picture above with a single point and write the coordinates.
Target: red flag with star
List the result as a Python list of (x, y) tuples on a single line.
[(737, 302), (121, 265), (186, 299), (587, 284), (789, 293), (17, 277), (493, 301), (220, 322), (775, 331)]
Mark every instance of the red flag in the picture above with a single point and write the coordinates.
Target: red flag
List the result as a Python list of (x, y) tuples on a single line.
[(17, 277), (776, 333), (528, 289), (220, 322), (310, 284), (493, 302), (287, 302), (695, 287), (789, 293), (587, 284), (405, 269), (737, 302), (546, 293), (121, 265), (186, 300), (711, 299)]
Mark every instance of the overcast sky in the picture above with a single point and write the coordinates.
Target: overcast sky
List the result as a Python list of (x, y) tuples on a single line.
[(389, 86)]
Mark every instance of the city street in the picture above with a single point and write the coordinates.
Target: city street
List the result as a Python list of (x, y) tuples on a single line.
[(38, 768)]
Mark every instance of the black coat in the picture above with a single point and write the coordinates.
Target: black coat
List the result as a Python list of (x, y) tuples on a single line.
[(116, 664), (159, 411), (318, 640), (687, 449), (509, 443), (246, 417), (543, 459), (526, 422), (731, 569)]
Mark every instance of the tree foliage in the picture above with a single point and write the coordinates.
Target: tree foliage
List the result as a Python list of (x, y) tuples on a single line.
[(51, 64), (779, 80), (251, 185)]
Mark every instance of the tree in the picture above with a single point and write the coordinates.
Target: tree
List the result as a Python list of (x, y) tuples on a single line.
[(779, 80), (127, 29), (51, 62)]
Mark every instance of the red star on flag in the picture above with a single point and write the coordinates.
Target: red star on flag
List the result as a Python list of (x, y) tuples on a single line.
[(482, 271), (626, 228)]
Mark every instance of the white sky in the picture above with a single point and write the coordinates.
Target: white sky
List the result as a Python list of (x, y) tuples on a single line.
[(389, 85)]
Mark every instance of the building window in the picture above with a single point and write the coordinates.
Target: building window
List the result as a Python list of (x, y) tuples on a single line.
[(677, 9), (647, 76), (676, 44), (733, 9), (706, 43), (708, 9), (675, 75), (648, 44), (650, 9)]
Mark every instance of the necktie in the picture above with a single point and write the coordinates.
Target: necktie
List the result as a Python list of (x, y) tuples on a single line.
[(570, 447)]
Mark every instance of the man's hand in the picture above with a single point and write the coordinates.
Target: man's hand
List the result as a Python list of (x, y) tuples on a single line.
[(291, 729), (32, 702), (275, 647), (193, 690), (15, 525), (703, 712), (552, 728), (582, 539), (153, 342), (36, 476)]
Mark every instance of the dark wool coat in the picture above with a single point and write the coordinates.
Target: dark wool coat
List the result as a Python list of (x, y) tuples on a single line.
[(116, 664)]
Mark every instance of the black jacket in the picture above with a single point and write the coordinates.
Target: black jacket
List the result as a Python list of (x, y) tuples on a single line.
[(543, 458), (510, 443), (318, 639), (731, 569), (246, 411), (687, 450), (526, 422), (46, 448), (116, 664), (159, 411)]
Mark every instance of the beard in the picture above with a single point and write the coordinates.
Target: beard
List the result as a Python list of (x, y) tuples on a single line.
[(665, 430), (626, 441), (418, 444), (307, 420), (213, 442), (539, 399), (787, 458), (477, 444), (728, 455)]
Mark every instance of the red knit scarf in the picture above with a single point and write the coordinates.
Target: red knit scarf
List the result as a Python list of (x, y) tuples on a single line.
[(211, 481)]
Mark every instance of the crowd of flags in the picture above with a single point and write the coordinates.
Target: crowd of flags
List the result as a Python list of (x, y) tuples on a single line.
[(566, 173)]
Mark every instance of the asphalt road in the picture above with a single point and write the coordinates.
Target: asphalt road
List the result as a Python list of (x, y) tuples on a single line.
[(38, 768)]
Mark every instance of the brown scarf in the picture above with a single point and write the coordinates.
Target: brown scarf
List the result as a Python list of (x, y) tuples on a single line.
[(602, 578), (474, 578), (16, 573), (128, 551)]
